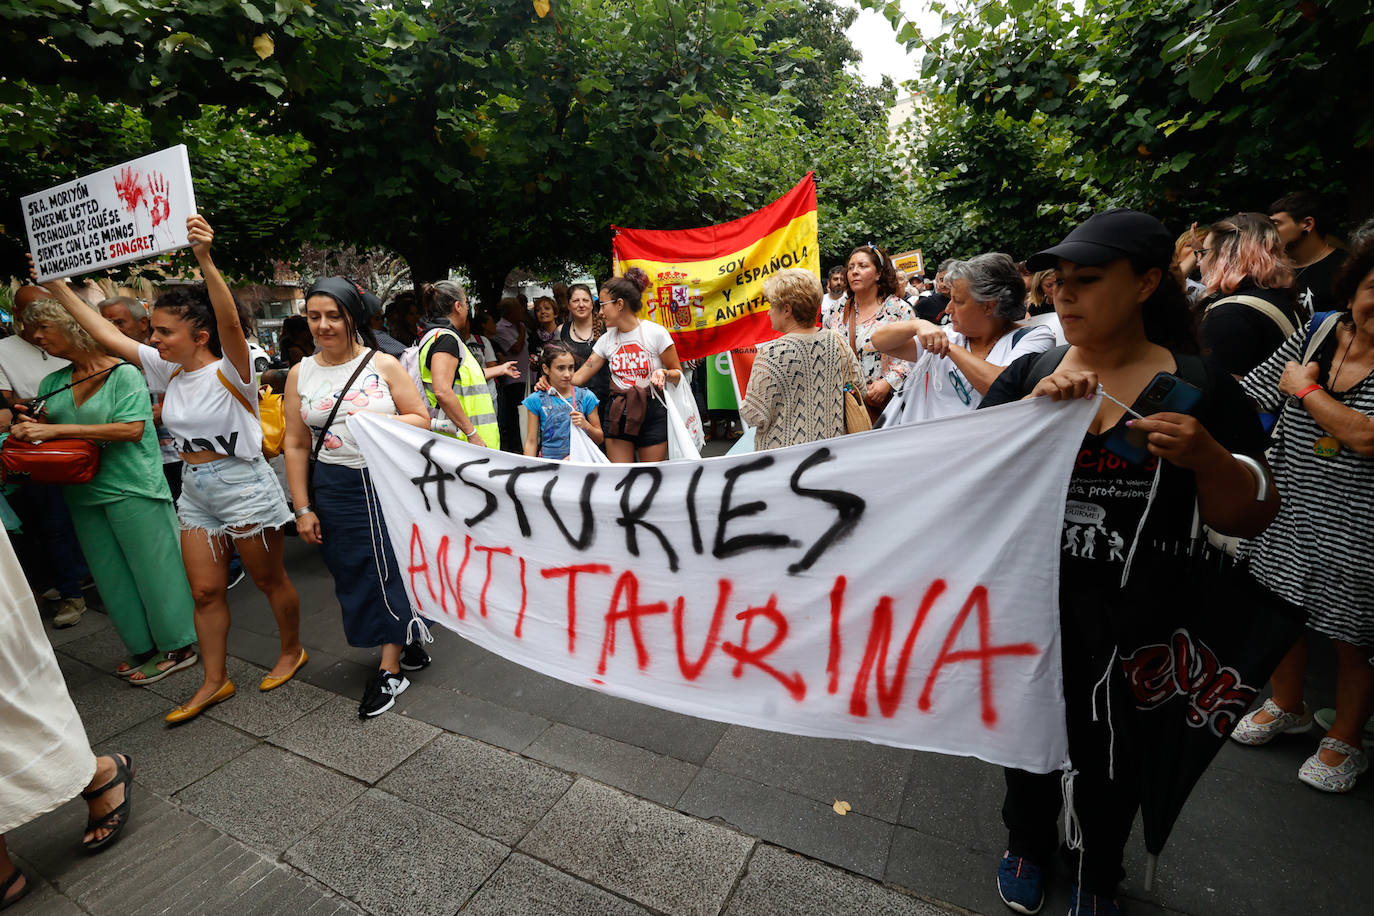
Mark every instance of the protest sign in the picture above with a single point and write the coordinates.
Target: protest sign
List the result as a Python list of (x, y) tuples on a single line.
[(706, 284), (125, 213), (815, 590), (913, 262), (727, 377)]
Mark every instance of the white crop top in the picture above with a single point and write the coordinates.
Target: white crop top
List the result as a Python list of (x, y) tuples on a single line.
[(320, 386), (199, 410)]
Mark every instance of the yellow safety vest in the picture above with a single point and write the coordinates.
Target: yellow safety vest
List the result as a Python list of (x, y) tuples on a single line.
[(470, 384)]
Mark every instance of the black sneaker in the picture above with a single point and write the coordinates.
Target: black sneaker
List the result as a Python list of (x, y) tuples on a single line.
[(414, 658), (381, 693)]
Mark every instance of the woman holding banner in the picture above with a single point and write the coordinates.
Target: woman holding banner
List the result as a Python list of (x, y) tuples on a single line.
[(1127, 322), (331, 488), (640, 355), (957, 363), (872, 303), (200, 358), (796, 388)]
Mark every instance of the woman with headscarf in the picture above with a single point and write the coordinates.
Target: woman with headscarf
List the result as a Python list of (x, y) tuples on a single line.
[(331, 488)]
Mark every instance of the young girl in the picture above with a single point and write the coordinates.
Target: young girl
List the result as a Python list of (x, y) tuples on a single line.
[(340, 513), (199, 356), (557, 406), (640, 354)]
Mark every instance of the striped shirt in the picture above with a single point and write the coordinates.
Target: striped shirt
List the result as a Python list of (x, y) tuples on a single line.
[(1317, 552)]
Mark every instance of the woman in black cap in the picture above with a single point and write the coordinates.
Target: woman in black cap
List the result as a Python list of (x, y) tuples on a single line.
[(334, 502), (199, 355), (1126, 320)]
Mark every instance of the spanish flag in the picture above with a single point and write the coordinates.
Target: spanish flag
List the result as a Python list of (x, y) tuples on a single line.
[(706, 285)]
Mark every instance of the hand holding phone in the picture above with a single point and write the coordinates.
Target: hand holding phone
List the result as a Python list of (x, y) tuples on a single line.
[(1166, 393)]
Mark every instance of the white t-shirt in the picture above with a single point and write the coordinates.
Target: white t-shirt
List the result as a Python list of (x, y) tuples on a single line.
[(1049, 320), (198, 409), (936, 387), (633, 356), (320, 386), (23, 366), (477, 342)]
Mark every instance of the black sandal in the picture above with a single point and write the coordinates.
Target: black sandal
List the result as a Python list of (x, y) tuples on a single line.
[(116, 819), (7, 902)]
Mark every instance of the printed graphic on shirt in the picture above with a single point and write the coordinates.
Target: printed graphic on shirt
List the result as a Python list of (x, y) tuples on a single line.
[(630, 363), (1107, 497), (367, 389)]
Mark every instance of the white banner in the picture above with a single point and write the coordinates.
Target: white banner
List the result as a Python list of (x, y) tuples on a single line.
[(125, 213), (817, 590)]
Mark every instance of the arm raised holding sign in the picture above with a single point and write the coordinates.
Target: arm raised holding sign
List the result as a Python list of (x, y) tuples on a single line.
[(232, 340), (92, 322)]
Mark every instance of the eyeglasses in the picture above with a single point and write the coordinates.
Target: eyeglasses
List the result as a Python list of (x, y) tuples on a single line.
[(1199, 252)]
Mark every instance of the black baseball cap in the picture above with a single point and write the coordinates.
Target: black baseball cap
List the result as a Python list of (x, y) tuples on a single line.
[(1106, 236)]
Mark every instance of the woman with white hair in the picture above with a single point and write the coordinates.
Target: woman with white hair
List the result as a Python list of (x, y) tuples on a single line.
[(957, 363)]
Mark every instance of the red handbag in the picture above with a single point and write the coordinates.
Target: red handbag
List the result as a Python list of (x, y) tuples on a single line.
[(64, 461)]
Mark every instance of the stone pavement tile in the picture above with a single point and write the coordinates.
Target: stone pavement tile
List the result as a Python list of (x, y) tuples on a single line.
[(1275, 762), (260, 713), (395, 859), (956, 798), (471, 716), (345, 678), (256, 648), (658, 730), (851, 841), (364, 749), (169, 759), (91, 622), (531, 888), (493, 792), (1244, 847), (101, 648), (324, 630), (269, 798), (781, 883), (508, 684), (870, 777), (109, 705), (75, 671), (42, 899), (646, 774), (938, 869), (660, 858)]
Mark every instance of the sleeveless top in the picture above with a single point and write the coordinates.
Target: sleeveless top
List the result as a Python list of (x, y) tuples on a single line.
[(320, 386)]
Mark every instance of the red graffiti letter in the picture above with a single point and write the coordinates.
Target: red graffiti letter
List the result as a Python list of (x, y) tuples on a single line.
[(571, 572), (627, 585), (692, 670), (489, 551), (743, 655), (879, 639), (832, 664), (417, 544), (978, 598), (447, 585)]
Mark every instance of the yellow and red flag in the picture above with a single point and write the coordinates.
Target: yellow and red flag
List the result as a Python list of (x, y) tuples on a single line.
[(706, 285)]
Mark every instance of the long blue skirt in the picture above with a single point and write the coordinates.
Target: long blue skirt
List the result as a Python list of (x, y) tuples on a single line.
[(367, 579)]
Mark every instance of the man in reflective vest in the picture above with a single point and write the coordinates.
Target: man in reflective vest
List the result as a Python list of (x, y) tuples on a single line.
[(453, 379)]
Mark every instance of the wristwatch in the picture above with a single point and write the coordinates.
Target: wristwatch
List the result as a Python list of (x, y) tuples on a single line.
[(303, 510)]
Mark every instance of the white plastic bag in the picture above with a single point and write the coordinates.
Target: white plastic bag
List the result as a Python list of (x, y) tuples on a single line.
[(581, 448), (908, 405), (680, 442), (681, 393)]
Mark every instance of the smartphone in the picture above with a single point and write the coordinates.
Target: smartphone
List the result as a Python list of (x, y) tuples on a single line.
[(1165, 394)]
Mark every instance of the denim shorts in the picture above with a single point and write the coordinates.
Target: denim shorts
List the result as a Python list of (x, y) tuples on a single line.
[(231, 493)]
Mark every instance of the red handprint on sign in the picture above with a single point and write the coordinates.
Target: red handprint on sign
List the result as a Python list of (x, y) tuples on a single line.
[(160, 206), (129, 187)]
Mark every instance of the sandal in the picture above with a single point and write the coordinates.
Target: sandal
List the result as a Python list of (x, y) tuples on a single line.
[(126, 668), (152, 672), (7, 900), (116, 819)]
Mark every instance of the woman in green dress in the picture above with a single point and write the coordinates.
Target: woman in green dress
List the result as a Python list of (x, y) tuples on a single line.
[(124, 517)]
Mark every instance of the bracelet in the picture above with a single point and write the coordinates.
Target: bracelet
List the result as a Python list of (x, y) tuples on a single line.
[(303, 510), (1306, 391)]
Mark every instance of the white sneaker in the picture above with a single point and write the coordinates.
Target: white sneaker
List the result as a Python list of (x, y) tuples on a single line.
[(1338, 778), (381, 693), (69, 611), (1248, 731)]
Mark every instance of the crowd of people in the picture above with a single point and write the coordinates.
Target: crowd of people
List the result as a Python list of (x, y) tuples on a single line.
[(1265, 316)]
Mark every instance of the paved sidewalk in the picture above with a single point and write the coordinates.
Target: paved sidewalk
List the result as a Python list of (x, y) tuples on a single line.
[(498, 790)]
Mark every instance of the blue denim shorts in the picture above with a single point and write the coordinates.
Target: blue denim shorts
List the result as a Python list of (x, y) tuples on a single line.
[(231, 496)]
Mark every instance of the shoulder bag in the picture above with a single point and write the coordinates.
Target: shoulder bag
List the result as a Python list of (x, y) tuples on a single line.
[(55, 461)]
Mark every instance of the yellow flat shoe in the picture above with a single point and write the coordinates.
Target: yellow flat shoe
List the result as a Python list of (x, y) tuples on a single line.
[(187, 713), (270, 682)]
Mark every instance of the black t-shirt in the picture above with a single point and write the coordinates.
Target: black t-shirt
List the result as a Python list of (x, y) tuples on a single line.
[(600, 384), (931, 307), (1313, 284), (1108, 495), (445, 343), (1238, 337)]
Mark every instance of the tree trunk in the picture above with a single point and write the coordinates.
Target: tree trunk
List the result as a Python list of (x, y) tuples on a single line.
[(488, 284)]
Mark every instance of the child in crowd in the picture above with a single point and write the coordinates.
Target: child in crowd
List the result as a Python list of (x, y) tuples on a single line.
[(558, 406)]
